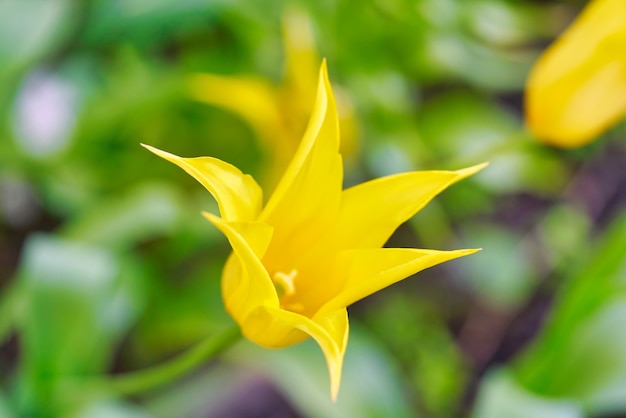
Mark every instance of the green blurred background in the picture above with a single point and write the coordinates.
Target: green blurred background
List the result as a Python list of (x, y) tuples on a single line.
[(106, 265)]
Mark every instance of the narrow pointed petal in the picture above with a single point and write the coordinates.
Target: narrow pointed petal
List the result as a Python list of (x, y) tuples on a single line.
[(372, 211), (366, 271), (272, 328), (250, 284), (256, 234), (253, 99), (239, 197), (306, 199), (577, 89)]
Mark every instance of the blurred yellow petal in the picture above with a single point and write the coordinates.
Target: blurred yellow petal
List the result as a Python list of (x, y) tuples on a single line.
[(348, 127), (372, 211), (278, 113), (363, 272), (306, 199), (577, 89), (261, 105), (254, 286), (301, 61), (253, 99), (329, 330), (239, 197)]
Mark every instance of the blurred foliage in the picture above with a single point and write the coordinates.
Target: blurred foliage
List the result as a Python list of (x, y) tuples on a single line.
[(107, 266)]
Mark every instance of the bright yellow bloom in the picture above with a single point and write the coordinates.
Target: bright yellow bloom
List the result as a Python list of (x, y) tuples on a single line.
[(279, 114), (577, 89), (314, 248)]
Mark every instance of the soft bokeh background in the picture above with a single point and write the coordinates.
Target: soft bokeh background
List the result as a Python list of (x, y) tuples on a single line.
[(107, 266)]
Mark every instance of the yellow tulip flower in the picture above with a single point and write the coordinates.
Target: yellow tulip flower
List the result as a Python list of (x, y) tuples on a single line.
[(313, 249), (577, 89), (278, 113)]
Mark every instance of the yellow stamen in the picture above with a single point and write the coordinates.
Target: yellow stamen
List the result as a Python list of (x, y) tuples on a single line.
[(286, 282)]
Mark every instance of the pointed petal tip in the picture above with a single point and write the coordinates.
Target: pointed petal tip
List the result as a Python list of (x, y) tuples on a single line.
[(335, 380), (469, 251), (334, 392), (466, 172), (324, 71), (211, 218), (163, 154)]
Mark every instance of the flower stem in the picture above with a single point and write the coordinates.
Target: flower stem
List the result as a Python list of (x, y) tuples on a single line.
[(132, 383)]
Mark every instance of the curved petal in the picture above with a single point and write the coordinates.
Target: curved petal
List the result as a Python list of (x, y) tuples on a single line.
[(305, 203), (372, 211), (363, 272), (577, 89), (250, 286), (256, 234), (274, 328), (239, 197), (253, 99)]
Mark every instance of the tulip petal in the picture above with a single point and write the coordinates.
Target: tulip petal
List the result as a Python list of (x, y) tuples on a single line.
[(366, 271), (372, 211), (251, 285), (238, 195), (253, 99), (256, 234), (305, 203), (577, 89), (273, 328)]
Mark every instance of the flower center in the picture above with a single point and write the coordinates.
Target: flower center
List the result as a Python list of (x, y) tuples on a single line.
[(286, 288), (285, 282)]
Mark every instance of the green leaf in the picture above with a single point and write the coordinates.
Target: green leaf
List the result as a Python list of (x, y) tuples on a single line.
[(477, 129), (501, 396), (46, 20), (108, 409), (564, 244), (370, 384), (594, 285), (502, 275), (463, 123), (142, 212), (5, 409), (455, 55), (414, 331), (145, 22), (511, 23), (78, 302), (598, 348), (580, 355)]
